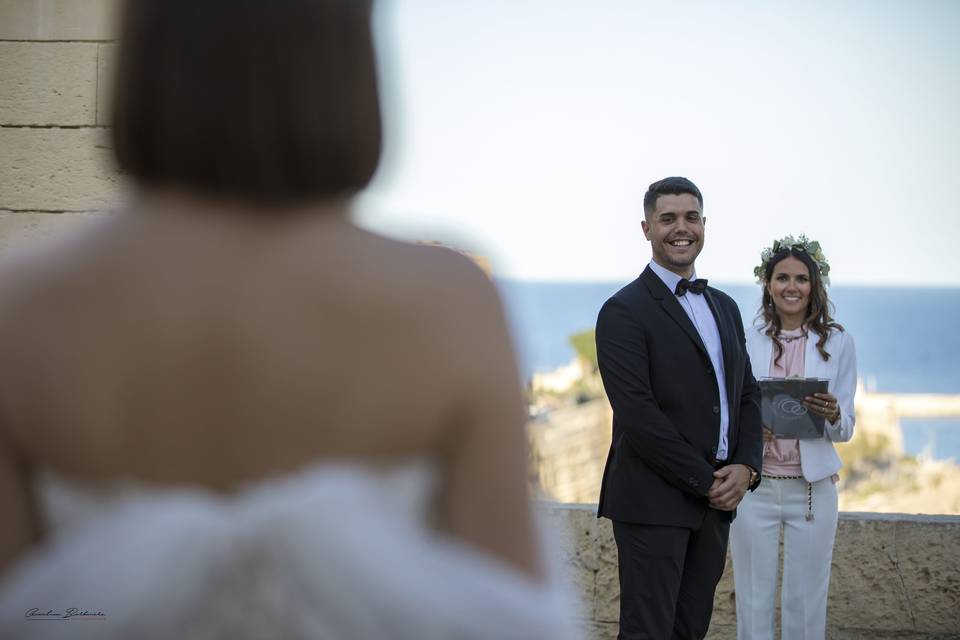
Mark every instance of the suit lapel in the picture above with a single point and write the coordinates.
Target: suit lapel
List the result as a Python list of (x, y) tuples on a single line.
[(669, 303)]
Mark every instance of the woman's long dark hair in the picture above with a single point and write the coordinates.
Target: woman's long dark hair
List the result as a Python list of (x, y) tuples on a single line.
[(819, 316)]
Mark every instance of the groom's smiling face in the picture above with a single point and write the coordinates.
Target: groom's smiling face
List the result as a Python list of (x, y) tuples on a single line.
[(675, 230)]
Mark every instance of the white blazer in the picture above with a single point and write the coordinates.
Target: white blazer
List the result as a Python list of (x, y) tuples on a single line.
[(818, 459)]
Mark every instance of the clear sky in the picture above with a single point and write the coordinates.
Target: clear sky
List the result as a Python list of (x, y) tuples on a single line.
[(528, 130)]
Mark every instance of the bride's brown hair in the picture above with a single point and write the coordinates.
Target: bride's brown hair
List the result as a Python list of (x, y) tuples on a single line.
[(819, 316)]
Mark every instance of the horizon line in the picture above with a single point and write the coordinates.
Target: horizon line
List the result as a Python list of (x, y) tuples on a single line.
[(738, 283)]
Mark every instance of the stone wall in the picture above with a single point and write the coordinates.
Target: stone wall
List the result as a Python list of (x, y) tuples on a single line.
[(56, 61), (568, 448), (894, 576)]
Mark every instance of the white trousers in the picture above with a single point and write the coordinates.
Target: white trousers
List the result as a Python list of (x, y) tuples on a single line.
[(807, 551)]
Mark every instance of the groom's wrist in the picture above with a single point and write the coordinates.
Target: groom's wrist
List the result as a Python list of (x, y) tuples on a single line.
[(754, 478)]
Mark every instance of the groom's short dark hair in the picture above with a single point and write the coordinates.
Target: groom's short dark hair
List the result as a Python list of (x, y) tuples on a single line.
[(672, 186)]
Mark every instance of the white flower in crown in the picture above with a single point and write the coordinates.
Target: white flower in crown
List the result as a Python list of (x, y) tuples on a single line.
[(800, 243)]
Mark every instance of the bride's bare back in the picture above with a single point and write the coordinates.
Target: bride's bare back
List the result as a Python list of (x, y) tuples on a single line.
[(176, 343)]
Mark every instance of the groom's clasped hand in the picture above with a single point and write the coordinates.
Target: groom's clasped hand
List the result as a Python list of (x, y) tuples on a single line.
[(729, 486)]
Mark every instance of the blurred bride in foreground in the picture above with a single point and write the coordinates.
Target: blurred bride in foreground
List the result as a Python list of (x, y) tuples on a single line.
[(228, 412)]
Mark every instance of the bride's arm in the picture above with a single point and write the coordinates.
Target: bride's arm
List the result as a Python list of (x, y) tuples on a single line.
[(484, 495), (19, 529)]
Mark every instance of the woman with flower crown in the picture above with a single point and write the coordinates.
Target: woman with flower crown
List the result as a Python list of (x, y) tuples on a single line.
[(797, 337)]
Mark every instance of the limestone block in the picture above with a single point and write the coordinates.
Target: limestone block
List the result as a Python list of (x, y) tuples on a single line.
[(928, 566), (106, 68), (568, 449), (599, 630), (607, 605), (724, 600), (865, 589), (721, 631), (58, 19), (572, 537), (48, 83), (56, 169), (862, 634), (19, 230)]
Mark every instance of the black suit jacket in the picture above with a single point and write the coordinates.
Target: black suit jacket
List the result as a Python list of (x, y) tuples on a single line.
[(666, 404)]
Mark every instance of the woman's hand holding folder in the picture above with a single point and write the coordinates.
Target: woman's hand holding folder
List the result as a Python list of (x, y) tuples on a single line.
[(824, 405)]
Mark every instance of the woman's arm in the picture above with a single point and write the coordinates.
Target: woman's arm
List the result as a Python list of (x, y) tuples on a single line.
[(844, 387), (20, 528)]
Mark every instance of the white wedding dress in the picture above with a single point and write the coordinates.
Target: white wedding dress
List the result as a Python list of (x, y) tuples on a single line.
[(339, 551)]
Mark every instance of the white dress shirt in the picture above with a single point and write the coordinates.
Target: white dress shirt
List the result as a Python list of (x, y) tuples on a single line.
[(703, 321)]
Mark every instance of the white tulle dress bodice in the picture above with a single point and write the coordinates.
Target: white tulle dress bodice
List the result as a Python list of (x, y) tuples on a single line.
[(334, 552)]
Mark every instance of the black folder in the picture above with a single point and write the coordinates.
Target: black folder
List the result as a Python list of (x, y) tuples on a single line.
[(783, 410)]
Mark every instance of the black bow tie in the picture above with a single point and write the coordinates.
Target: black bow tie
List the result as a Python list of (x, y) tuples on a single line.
[(698, 286)]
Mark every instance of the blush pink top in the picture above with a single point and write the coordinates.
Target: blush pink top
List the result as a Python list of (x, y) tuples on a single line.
[(781, 457)]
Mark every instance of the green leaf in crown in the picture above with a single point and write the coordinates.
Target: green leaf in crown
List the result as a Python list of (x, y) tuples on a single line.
[(800, 243)]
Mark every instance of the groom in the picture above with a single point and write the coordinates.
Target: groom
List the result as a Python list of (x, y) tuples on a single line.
[(687, 442)]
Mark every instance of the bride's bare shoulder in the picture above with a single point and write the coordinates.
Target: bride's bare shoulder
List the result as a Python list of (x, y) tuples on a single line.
[(430, 274), (432, 293), (50, 265)]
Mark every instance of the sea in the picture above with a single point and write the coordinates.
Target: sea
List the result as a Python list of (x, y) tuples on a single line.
[(907, 339)]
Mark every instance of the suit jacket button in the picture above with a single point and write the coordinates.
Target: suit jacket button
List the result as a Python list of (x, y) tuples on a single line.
[(709, 369), (716, 409)]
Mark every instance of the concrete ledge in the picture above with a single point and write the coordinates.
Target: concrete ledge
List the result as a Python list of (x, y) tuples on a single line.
[(56, 169), (50, 83), (894, 575), (92, 20)]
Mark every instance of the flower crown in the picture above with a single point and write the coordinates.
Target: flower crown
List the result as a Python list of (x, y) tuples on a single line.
[(800, 243)]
